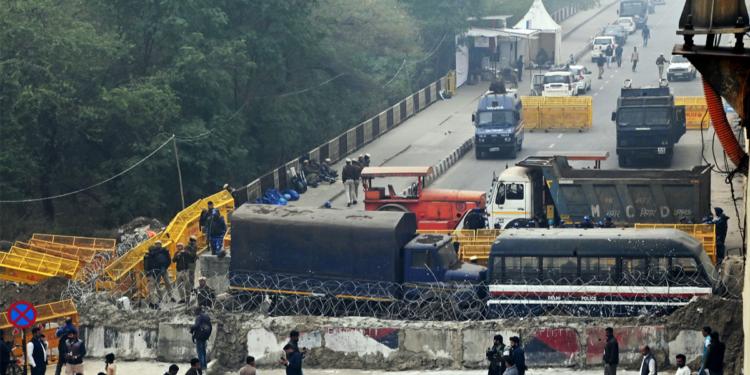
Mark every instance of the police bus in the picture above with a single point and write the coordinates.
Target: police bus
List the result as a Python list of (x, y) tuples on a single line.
[(596, 272)]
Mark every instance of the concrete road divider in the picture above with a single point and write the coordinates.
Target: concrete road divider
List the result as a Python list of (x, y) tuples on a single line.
[(449, 160)]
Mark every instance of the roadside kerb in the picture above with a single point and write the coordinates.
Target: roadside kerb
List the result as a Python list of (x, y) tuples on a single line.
[(449, 160), (589, 19)]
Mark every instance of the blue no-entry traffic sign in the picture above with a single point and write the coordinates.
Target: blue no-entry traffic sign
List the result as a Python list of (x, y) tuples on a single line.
[(22, 314)]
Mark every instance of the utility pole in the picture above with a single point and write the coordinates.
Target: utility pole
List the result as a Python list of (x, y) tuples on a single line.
[(179, 173)]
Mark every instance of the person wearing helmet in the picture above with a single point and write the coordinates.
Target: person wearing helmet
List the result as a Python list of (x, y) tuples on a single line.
[(562, 224), (497, 226), (586, 223), (515, 225), (531, 224), (608, 222), (367, 160), (328, 204), (216, 228), (474, 219), (347, 177)]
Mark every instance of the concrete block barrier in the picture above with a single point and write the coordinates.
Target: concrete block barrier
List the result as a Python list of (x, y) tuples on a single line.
[(175, 343), (450, 159), (126, 344)]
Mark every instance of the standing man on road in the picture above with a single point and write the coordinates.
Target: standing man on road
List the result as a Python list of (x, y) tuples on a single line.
[(182, 260), (713, 361), (201, 331), (618, 55), (192, 248), (495, 356), (634, 57), (611, 353), (600, 64), (36, 353), (62, 336), (155, 263), (648, 366), (721, 232), (518, 355), (519, 64), (358, 165), (609, 52), (293, 361), (706, 332), (75, 350), (347, 177), (6, 349), (660, 61), (646, 34)]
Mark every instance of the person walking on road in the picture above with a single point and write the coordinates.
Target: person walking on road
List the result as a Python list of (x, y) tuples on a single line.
[(713, 361), (518, 355), (648, 366), (75, 350), (182, 260), (721, 232), (646, 34), (706, 332), (495, 356), (634, 57), (201, 331), (293, 361), (36, 353), (611, 352), (347, 177), (609, 52), (600, 64), (618, 55), (660, 61), (249, 368), (358, 166)]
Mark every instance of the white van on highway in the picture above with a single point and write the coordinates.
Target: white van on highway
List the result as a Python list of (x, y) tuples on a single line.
[(599, 45), (559, 84)]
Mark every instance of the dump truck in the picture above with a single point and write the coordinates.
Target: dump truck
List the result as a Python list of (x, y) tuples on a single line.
[(343, 260), (547, 189)]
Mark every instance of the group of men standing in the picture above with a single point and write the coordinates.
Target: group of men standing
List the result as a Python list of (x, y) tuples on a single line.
[(506, 359), (351, 176)]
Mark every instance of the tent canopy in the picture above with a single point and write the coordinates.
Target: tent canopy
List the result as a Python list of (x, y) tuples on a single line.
[(537, 18)]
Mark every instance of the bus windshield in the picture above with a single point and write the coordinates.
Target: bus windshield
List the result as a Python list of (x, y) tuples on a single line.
[(643, 116), (631, 9)]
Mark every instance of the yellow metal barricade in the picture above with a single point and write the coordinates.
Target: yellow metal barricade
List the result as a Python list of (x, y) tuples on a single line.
[(98, 244), (489, 233), (696, 109), (49, 316), (532, 119), (482, 252), (450, 80), (566, 113), (62, 251), (68, 267)]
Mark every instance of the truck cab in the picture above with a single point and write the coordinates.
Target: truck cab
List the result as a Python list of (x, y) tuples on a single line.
[(499, 124), (439, 209), (649, 124), (638, 9)]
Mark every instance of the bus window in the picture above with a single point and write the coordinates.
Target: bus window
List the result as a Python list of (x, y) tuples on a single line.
[(598, 270), (559, 269), (685, 271), (634, 271), (520, 269), (658, 268), (497, 269)]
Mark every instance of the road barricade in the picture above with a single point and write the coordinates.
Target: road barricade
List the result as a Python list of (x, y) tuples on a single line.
[(49, 316), (696, 111), (97, 244), (706, 233), (558, 113), (62, 251), (482, 252)]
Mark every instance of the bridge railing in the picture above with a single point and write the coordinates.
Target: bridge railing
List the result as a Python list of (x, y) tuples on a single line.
[(345, 144)]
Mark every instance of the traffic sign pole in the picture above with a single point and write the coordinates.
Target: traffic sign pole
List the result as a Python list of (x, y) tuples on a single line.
[(22, 315)]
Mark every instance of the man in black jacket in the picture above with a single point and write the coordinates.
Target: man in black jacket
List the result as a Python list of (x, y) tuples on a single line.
[(293, 361), (495, 356), (75, 350), (182, 260), (518, 355), (713, 361), (6, 347), (155, 263), (611, 352), (205, 214), (348, 175)]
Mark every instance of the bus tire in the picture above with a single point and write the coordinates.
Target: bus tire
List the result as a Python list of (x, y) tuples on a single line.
[(393, 207)]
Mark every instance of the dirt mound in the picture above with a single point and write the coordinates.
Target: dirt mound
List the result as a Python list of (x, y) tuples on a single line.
[(141, 224), (722, 315), (46, 291)]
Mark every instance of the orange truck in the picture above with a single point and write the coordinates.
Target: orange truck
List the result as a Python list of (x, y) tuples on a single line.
[(437, 209)]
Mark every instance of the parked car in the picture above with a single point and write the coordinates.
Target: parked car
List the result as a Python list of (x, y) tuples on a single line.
[(537, 81), (599, 45), (617, 31), (680, 67), (559, 84), (627, 23), (582, 78)]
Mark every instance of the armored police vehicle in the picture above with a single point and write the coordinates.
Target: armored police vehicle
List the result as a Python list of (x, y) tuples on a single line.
[(499, 124), (649, 124)]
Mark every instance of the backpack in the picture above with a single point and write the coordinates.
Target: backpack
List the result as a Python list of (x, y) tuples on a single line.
[(292, 193), (203, 332), (298, 185)]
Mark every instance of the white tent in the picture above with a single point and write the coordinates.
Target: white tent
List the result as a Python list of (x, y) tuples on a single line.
[(550, 39), (462, 53)]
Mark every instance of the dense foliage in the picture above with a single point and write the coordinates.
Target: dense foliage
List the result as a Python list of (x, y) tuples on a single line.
[(90, 87)]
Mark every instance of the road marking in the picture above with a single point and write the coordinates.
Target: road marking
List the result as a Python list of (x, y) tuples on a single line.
[(601, 88), (606, 82), (616, 71), (612, 76), (552, 145), (559, 136), (596, 94)]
